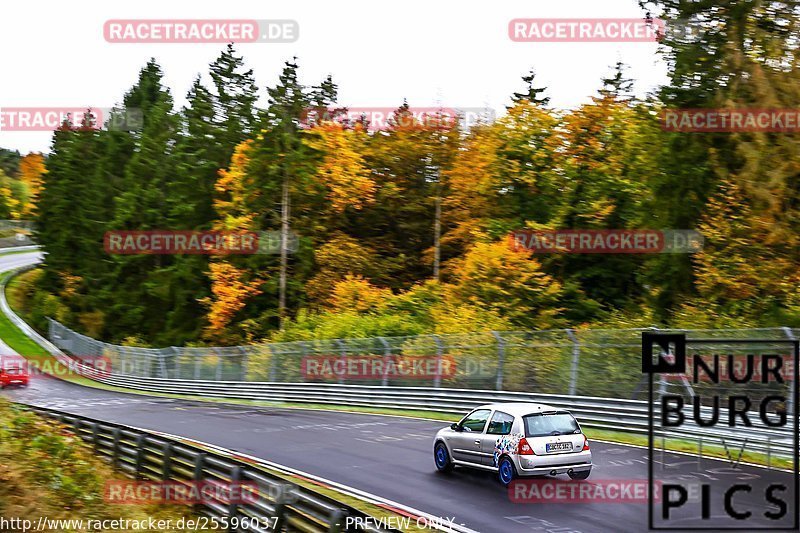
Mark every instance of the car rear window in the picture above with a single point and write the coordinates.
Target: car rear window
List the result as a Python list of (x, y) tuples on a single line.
[(545, 424), (13, 371)]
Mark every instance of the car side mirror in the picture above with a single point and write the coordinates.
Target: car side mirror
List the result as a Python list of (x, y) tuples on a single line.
[(455, 427)]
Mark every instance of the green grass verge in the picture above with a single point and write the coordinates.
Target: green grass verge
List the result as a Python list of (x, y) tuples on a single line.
[(24, 346), (12, 336), (15, 252), (29, 349), (691, 447)]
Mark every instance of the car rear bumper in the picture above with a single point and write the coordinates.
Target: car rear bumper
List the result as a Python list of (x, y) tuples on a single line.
[(540, 465)]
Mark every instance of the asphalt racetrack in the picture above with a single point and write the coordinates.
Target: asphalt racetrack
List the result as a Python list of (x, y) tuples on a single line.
[(392, 458)]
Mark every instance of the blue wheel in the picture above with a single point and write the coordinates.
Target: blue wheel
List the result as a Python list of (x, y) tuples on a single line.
[(506, 471), (442, 458)]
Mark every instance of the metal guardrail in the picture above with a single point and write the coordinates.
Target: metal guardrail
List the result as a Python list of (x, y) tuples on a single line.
[(20, 248), (160, 457), (629, 416)]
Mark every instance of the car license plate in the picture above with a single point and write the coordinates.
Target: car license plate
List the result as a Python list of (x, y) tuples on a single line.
[(558, 447)]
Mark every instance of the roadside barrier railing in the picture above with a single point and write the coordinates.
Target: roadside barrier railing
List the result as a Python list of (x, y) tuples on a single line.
[(275, 503), (611, 414)]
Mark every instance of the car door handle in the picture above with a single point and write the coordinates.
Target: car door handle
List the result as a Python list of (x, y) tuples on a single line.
[(477, 442)]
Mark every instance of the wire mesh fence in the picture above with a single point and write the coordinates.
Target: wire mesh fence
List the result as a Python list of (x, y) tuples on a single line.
[(592, 362)]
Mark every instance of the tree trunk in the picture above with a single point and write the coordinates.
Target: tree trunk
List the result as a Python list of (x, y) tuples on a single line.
[(285, 210)]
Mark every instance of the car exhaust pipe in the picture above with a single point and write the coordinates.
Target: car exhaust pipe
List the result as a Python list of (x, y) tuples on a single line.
[(570, 471)]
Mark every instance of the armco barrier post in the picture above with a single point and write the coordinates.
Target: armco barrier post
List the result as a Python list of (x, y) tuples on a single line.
[(337, 519), (233, 505), (576, 356), (279, 514), (95, 436), (166, 461), (501, 356), (115, 449), (140, 449), (199, 465)]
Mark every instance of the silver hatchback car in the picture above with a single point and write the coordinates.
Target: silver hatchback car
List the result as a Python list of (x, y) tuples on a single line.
[(515, 439)]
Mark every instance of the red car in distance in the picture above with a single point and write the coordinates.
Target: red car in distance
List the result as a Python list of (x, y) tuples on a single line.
[(12, 375)]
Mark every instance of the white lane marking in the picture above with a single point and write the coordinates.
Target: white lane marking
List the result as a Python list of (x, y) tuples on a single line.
[(538, 524), (73, 403)]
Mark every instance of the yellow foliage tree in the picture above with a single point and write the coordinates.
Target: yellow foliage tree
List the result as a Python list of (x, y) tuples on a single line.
[(354, 293), (509, 282), (231, 187), (230, 286), (340, 256), (230, 295), (472, 187), (343, 170), (31, 170), (746, 268)]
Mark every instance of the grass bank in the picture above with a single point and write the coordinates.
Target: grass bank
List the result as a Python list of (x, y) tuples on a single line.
[(18, 341)]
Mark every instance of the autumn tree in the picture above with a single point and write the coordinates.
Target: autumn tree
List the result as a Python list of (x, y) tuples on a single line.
[(731, 55), (31, 170), (509, 282), (407, 160), (604, 164)]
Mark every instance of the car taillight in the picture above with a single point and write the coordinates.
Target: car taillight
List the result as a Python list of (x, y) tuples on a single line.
[(585, 443), (523, 448)]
